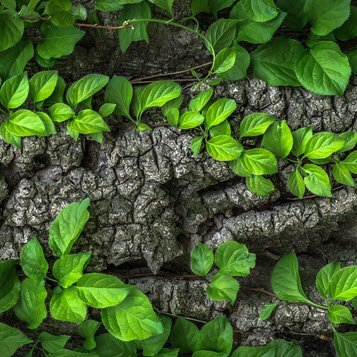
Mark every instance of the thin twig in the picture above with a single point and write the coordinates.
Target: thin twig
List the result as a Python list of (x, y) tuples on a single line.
[(185, 317), (259, 290)]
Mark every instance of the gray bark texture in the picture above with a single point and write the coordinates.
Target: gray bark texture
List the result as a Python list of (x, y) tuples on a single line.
[(152, 201)]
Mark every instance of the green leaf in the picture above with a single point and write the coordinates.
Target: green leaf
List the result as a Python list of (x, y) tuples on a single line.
[(120, 92), (260, 10), (199, 102), (256, 162), (67, 227), (32, 260), (168, 352), (253, 31), (297, 12), (240, 67), (285, 280), (338, 314), (276, 348), (31, 307), (13, 61), (61, 112), (223, 287), (57, 95), (255, 124), (190, 120), (185, 336), (132, 319), (208, 6), (278, 139), (25, 123), (322, 145), (342, 175), (108, 5), (354, 303), (60, 12), (129, 35), (217, 335), (343, 284), (107, 109), (224, 148), (42, 85), (158, 93), (142, 127), (201, 259), (350, 139), (219, 111), (324, 276), (221, 34), (196, 144), (66, 305), (69, 268), (58, 41), (153, 345), (85, 88), (266, 311), (9, 286), (348, 31), (164, 4), (89, 122), (69, 353), (48, 123), (11, 339), (8, 137), (172, 116), (351, 162), (274, 62), (234, 259), (87, 330), (296, 184), (317, 180), (301, 138), (221, 129), (101, 290), (12, 29), (225, 60), (109, 346), (9, 4), (323, 69), (52, 343), (260, 185), (345, 343), (334, 14), (14, 91)]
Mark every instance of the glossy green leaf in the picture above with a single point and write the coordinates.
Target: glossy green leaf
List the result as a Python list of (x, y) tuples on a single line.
[(61, 112), (11, 339), (260, 10), (129, 35), (85, 88), (221, 34), (201, 259), (190, 120), (259, 185), (89, 122), (301, 138), (343, 284), (342, 175), (196, 144), (132, 319), (87, 330), (109, 346), (351, 162), (322, 145), (338, 314), (107, 109), (60, 12), (9, 285), (120, 92), (224, 148), (9, 137), (164, 4), (350, 139), (317, 180), (199, 102), (223, 287), (345, 343), (225, 60), (108, 5), (12, 29), (234, 259), (42, 85), (324, 276), (323, 69), (185, 335), (14, 91), (66, 306), (255, 124), (240, 67), (32, 260), (101, 290), (50, 128), (219, 111), (278, 139), (221, 129), (266, 311), (348, 30), (285, 280), (69, 268), (67, 227), (51, 343), (31, 306), (217, 335), (25, 123), (296, 184)]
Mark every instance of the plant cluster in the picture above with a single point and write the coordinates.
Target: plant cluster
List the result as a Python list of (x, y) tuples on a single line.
[(126, 313), (308, 152), (318, 64)]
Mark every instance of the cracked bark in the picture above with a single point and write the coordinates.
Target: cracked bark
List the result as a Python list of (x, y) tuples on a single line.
[(152, 201)]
